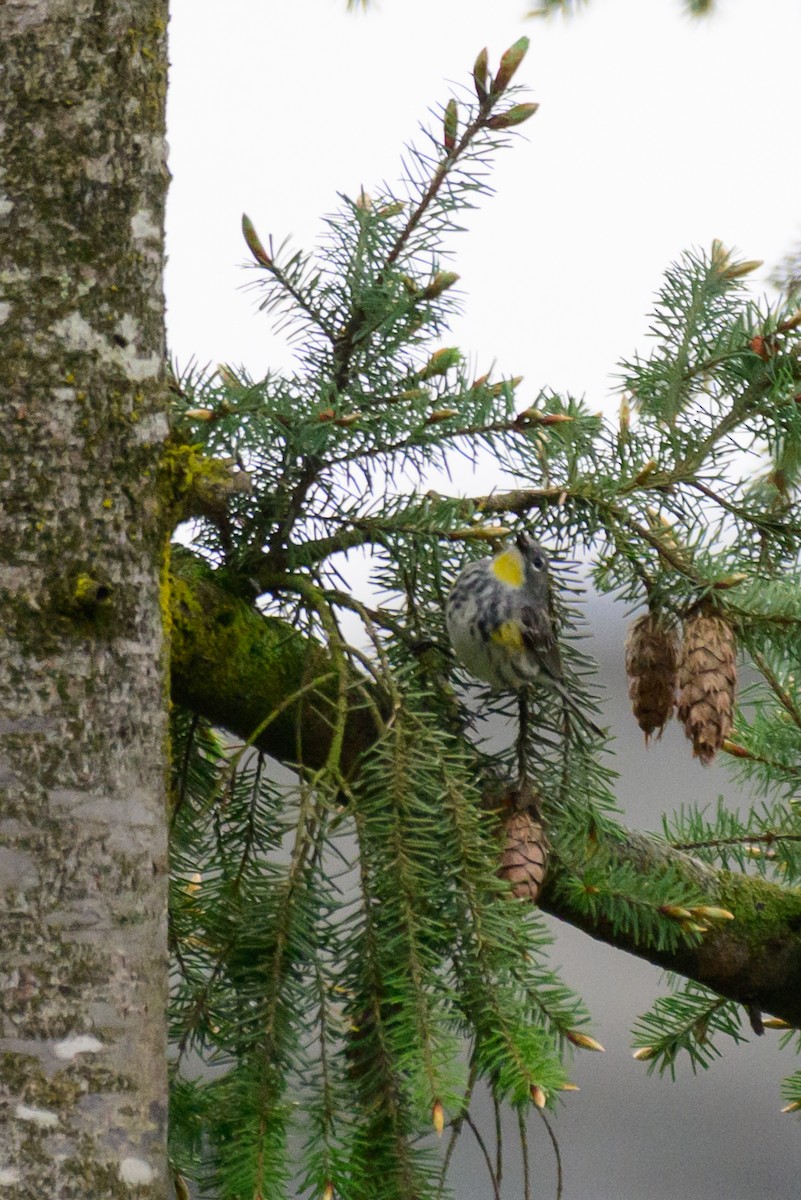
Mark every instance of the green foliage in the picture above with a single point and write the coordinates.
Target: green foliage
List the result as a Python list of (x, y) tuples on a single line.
[(347, 961), (791, 1091), (338, 971), (686, 1022), (765, 839)]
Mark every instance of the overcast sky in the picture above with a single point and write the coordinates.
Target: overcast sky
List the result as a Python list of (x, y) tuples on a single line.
[(655, 134)]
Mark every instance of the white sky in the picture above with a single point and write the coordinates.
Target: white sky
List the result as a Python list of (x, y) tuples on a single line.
[(655, 134)]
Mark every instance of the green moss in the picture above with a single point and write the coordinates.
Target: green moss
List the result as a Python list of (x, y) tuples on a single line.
[(83, 604), (91, 1077), (762, 912), (256, 662), (89, 594), (192, 484), (25, 1078), (20, 1073)]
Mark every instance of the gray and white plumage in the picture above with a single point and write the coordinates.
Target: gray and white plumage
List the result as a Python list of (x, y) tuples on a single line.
[(499, 622)]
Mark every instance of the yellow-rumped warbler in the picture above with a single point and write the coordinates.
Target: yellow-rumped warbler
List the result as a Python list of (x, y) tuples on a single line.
[(499, 622)]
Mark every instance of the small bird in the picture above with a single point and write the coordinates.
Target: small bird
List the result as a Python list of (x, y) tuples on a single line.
[(499, 622)]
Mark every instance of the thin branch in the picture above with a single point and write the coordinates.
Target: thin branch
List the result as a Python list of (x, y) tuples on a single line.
[(456, 1124), (436, 436), (770, 838), (560, 1182), (521, 1125), (785, 699), (483, 1147), (498, 1140)]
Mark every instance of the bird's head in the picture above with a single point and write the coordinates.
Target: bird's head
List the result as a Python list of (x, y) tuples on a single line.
[(534, 557), (535, 565)]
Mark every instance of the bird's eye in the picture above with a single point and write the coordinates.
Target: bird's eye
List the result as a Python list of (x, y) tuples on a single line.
[(537, 562)]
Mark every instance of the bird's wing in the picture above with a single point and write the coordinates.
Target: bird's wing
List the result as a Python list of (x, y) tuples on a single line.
[(539, 640)]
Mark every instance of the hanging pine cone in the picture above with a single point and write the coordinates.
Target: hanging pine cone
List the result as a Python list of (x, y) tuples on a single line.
[(651, 660), (707, 681), (524, 854)]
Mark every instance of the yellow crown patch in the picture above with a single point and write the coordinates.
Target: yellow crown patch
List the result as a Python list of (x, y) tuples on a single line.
[(508, 567)]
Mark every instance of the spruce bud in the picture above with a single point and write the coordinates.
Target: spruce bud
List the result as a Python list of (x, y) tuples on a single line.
[(711, 912), (480, 71), (515, 115), (510, 61), (675, 912), (439, 284), (450, 125), (737, 270), (253, 243), (791, 322), (440, 362), (584, 1041)]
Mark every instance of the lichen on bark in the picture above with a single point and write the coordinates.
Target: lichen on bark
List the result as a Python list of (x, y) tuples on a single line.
[(82, 661)]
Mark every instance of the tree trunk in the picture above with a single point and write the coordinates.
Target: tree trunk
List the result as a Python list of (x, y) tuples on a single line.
[(82, 664)]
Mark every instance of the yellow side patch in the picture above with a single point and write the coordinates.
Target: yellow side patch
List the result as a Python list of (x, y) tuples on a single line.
[(508, 635), (509, 568)]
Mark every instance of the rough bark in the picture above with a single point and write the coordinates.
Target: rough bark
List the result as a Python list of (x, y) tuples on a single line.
[(82, 666), (756, 958)]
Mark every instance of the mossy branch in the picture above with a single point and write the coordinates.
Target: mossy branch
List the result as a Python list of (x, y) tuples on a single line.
[(234, 666), (754, 959)]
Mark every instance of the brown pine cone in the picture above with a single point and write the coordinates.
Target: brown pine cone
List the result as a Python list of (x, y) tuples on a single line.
[(707, 682), (524, 855), (651, 660)]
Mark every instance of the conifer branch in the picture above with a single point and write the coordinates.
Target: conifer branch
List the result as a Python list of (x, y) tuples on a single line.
[(782, 695), (376, 985), (237, 667), (770, 838), (754, 959)]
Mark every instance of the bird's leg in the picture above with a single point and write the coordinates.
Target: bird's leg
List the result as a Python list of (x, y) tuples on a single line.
[(522, 753)]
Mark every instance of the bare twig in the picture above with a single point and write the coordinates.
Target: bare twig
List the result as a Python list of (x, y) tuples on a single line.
[(559, 1174), (496, 1191)]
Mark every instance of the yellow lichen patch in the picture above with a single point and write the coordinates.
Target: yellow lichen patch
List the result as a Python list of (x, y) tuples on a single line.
[(508, 567), (87, 592), (165, 587), (508, 635), (195, 484)]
